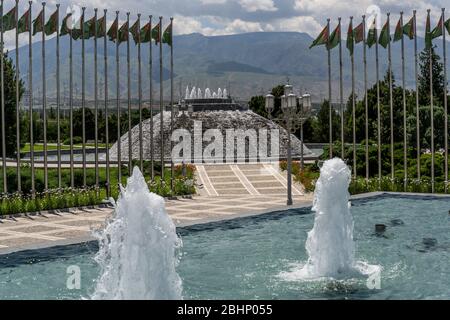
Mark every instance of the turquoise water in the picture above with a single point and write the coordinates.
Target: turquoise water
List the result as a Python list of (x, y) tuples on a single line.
[(246, 258)]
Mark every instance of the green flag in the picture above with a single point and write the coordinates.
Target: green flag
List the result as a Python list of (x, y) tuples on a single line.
[(447, 25), (398, 35), (335, 38), (155, 33), (9, 20), (321, 39), (112, 32), (52, 24), (350, 39), (65, 25), (437, 32), (385, 37), (146, 33), (123, 32), (89, 28), (371, 37), (408, 29), (428, 38), (24, 22), (38, 26), (101, 27), (358, 33), (135, 32), (167, 35)]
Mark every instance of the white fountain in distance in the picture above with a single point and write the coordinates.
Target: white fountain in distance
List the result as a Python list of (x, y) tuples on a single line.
[(330, 244), (138, 248)]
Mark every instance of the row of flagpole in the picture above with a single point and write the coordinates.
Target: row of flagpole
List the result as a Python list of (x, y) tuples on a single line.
[(357, 35), (97, 28)]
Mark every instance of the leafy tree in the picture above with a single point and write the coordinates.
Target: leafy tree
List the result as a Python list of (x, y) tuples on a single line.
[(424, 78), (10, 106), (321, 125)]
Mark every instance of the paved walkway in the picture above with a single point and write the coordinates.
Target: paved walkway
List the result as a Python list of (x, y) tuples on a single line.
[(225, 192)]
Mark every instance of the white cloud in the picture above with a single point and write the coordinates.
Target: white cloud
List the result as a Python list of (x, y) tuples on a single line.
[(258, 5)]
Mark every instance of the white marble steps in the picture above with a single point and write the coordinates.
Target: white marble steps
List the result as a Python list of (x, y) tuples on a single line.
[(242, 179)]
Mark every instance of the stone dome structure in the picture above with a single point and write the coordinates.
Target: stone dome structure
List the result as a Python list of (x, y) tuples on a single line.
[(201, 124)]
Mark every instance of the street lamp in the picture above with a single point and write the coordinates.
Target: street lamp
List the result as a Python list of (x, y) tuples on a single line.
[(291, 119)]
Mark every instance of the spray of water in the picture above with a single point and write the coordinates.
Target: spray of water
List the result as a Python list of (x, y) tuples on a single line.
[(330, 244), (138, 248)]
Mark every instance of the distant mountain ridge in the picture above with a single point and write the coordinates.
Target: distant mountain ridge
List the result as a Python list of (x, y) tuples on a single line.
[(248, 64)]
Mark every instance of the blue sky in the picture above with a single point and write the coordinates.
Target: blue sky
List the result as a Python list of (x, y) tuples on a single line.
[(218, 17)]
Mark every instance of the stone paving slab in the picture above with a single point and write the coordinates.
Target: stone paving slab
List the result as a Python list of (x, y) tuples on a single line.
[(63, 228)]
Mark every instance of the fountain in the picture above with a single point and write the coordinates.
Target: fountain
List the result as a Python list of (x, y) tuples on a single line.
[(137, 254), (193, 93), (207, 93), (187, 95), (225, 93), (330, 244), (219, 93), (199, 93)]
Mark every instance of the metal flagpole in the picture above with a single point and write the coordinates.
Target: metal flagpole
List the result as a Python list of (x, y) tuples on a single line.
[(161, 99), (171, 106), (330, 107), (341, 91), (130, 142), (391, 102), (44, 100), (152, 159), (378, 105), (417, 96), (432, 114), (365, 98), (58, 99), (83, 97), (30, 89), (96, 101), (353, 107), (19, 178), (5, 184), (141, 145), (105, 56), (119, 149), (444, 48), (405, 148), (72, 178)]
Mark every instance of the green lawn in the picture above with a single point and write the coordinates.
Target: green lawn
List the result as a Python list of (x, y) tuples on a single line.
[(52, 146)]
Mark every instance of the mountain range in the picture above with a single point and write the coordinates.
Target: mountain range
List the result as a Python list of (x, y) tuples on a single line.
[(247, 64)]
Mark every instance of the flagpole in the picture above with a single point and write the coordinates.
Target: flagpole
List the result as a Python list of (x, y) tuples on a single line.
[(171, 107), (141, 144), (341, 91), (44, 100), (365, 98), (30, 89), (353, 106), (152, 171), (58, 99), (161, 99), (105, 56), (72, 176), (405, 160), (130, 150), (378, 106), (96, 102), (19, 178), (417, 97), (83, 97), (5, 184), (330, 107), (444, 48), (432, 115), (119, 156), (391, 102)]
